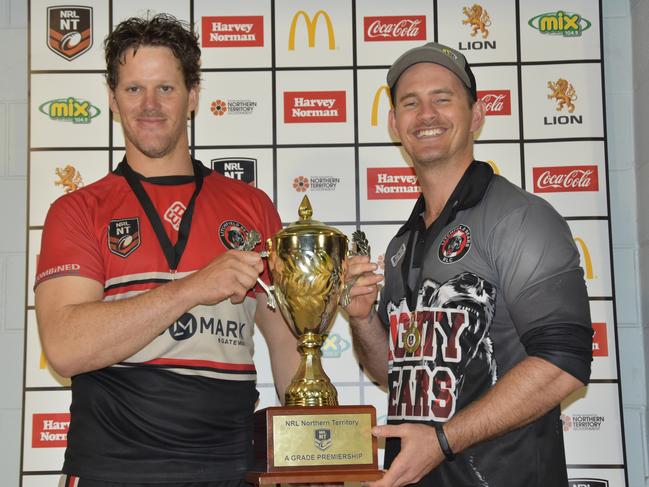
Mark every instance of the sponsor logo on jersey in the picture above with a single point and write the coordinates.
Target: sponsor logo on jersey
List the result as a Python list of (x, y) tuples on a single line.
[(600, 340), (63, 269), (395, 28), (50, 430), (233, 234), (587, 483), (334, 345), (566, 24), (69, 30), (383, 89), (455, 244), (315, 106), (232, 31), (69, 110), (241, 168), (174, 214), (565, 179), (227, 332), (69, 178), (389, 183), (582, 422), (233, 107), (124, 236), (315, 183), (322, 438), (311, 24), (394, 260), (586, 259), (498, 102)]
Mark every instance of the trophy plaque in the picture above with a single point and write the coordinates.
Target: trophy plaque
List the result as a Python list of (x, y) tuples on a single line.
[(311, 438)]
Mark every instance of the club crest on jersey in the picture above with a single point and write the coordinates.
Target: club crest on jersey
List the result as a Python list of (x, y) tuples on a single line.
[(124, 236), (233, 234), (455, 245)]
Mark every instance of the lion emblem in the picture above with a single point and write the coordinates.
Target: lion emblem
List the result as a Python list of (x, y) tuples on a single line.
[(564, 93), (69, 178), (478, 18)]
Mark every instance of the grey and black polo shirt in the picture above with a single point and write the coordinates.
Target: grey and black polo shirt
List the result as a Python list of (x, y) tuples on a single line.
[(494, 279)]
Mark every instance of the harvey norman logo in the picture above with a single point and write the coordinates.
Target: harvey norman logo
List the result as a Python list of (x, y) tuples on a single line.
[(315, 106), (560, 179), (239, 31), (498, 102), (391, 183), (395, 28), (50, 430)]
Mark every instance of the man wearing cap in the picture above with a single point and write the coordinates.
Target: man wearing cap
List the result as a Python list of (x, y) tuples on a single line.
[(484, 316)]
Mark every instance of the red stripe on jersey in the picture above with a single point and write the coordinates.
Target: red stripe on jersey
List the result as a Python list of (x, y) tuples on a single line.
[(201, 363)]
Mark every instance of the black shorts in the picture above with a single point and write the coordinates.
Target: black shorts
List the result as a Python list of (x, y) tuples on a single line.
[(74, 481)]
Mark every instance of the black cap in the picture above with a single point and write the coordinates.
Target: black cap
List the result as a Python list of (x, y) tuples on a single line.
[(433, 52)]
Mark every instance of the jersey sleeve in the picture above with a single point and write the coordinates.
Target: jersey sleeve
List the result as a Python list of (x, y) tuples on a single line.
[(543, 286), (69, 246)]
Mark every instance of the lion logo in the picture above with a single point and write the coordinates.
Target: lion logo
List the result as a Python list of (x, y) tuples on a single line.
[(478, 18), (564, 93), (69, 178)]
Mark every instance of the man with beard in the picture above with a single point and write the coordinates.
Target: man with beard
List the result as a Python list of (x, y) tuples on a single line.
[(143, 299), (484, 318)]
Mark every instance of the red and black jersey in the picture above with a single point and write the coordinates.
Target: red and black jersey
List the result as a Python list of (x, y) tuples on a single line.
[(178, 409)]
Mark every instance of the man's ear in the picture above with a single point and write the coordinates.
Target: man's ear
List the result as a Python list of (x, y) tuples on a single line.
[(192, 104), (479, 112), (112, 102), (392, 124)]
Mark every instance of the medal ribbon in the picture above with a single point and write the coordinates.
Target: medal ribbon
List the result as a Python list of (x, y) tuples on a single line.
[(173, 253)]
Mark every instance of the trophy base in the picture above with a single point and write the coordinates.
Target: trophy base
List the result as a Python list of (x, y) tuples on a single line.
[(316, 444)]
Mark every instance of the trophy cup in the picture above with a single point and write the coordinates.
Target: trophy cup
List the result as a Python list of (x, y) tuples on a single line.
[(311, 438)]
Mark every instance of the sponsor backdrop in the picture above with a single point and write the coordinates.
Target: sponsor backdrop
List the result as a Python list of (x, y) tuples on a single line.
[(294, 101)]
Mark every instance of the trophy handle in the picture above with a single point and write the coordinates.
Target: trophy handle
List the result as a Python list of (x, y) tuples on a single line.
[(271, 302), (360, 246), (250, 242)]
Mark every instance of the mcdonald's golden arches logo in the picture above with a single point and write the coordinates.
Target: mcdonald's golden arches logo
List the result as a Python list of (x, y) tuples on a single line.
[(494, 166), (311, 25), (586, 258), (375, 103)]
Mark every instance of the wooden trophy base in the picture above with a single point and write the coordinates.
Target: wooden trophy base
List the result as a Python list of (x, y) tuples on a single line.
[(296, 444)]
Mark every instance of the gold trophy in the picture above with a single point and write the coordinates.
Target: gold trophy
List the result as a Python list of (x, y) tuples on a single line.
[(311, 438)]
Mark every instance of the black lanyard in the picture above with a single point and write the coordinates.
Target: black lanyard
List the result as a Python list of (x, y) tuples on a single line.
[(172, 253)]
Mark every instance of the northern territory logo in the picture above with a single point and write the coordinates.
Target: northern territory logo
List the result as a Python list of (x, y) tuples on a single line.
[(233, 234), (69, 109), (566, 24), (455, 245), (124, 236), (69, 30)]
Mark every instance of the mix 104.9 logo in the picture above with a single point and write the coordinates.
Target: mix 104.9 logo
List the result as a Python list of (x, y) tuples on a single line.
[(70, 109)]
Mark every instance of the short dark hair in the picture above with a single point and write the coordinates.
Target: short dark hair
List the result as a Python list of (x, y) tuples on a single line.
[(161, 30)]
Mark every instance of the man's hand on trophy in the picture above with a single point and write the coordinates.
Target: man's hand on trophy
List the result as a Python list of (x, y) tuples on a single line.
[(365, 289), (229, 276), (419, 454)]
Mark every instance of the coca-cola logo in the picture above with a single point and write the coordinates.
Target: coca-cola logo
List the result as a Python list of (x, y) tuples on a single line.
[(600, 340), (560, 179), (498, 102), (395, 28)]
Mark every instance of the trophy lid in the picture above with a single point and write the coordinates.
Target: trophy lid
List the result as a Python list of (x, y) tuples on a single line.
[(307, 226)]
